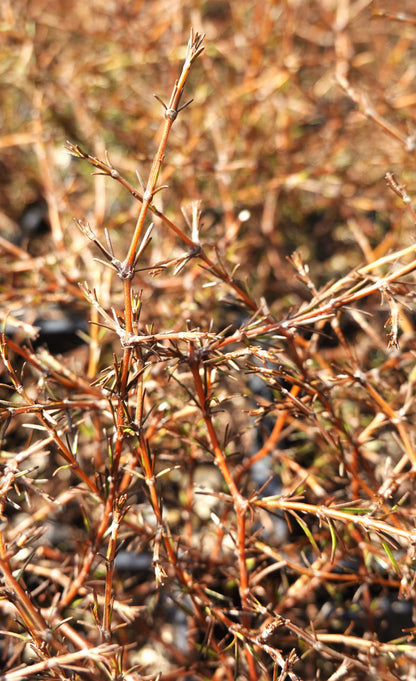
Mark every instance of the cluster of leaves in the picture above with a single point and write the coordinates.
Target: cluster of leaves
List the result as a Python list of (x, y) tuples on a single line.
[(207, 455)]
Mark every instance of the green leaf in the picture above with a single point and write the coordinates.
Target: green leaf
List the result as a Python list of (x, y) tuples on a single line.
[(392, 559)]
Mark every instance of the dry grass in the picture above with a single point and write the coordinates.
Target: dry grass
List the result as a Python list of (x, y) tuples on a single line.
[(208, 471)]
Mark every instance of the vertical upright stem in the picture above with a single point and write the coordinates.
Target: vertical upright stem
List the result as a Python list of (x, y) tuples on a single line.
[(171, 112), (240, 503)]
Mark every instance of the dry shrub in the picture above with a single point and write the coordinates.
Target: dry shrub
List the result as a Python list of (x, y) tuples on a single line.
[(208, 451)]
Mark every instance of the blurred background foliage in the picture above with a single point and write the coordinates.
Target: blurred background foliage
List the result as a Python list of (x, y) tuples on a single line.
[(277, 151)]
